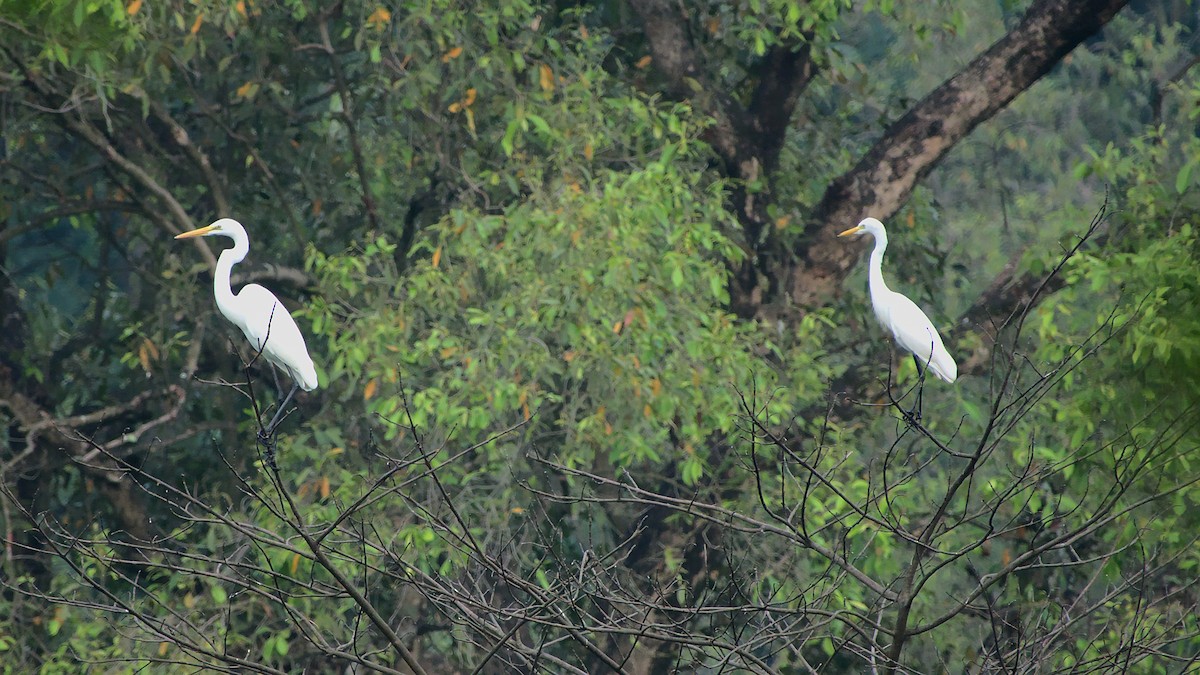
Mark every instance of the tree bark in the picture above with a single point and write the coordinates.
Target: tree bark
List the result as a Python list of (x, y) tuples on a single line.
[(748, 139)]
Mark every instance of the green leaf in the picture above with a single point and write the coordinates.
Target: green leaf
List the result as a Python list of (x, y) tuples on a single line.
[(1184, 177), (717, 286), (510, 133)]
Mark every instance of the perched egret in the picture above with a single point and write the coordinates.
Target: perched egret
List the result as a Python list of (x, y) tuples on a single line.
[(895, 312), (267, 324)]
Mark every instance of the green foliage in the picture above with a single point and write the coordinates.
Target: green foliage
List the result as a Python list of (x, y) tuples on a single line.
[(1146, 271), (593, 305), (1136, 302), (88, 34)]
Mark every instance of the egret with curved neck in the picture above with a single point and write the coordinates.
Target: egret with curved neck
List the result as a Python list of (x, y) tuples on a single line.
[(911, 328), (264, 320)]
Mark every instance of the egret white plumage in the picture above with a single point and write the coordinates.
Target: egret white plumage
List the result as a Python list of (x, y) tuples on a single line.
[(264, 320), (895, 312)]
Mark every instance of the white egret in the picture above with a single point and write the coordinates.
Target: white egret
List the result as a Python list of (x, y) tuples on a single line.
[(266, 323), (895, 312)]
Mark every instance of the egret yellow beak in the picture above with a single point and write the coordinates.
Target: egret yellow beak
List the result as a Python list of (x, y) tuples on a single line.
[(196, 233), (854, 230)]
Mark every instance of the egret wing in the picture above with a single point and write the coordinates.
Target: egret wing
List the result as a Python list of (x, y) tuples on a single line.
[(269, 327), (916, 333)]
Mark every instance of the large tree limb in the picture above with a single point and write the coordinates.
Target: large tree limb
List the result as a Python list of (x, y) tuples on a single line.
[(37, 424), (883, 180)]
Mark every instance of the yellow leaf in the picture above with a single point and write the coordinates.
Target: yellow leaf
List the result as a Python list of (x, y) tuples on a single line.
[(782, 222), (617, 328), (545, 77), (525, 410), (379, 17), (688, 449), (244, 90), (447, 352), (133, 7), (569, 355), (333, 452), (912, 218), (643, 62), (608, 429), (588, 151), (295, 562), (517, 510), (471, 121), (369, 390), (452, 54), (196, 25), (162, 646), (471, 93), (144, 357), (324, 489), (240, 7), (455, 107), (189, 601), (437, 257), (647, 412), (655, 386)]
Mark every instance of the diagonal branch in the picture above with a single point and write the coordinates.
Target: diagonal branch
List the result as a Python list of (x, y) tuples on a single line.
[(216, 186), (347, 115), (913, 145)]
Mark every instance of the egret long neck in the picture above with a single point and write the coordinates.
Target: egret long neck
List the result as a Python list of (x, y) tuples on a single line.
[(229, 258), (876, 277)]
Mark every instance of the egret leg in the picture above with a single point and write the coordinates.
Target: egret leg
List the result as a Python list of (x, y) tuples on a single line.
[(279, 413), (916, 412)]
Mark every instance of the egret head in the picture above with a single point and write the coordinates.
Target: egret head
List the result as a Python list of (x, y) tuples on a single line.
[(867, 225), (227, 227)]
